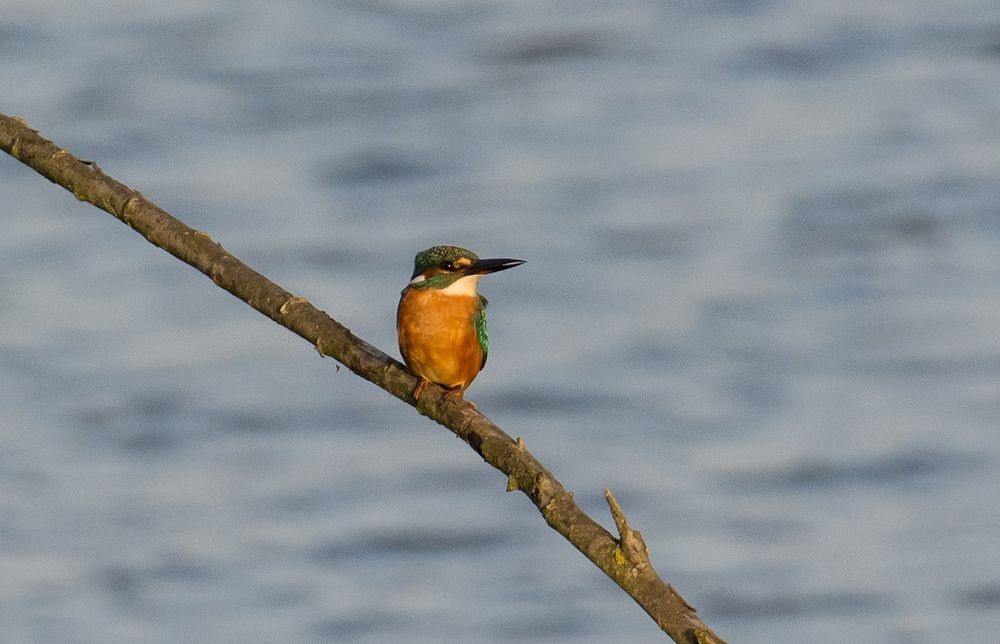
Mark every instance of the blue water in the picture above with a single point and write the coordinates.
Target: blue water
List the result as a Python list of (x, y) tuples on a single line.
[(761, 303)]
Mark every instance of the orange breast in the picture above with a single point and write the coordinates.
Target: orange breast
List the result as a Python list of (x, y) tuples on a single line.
[(437, 336)]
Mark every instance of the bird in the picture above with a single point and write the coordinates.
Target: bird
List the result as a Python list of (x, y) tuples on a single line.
[(441, 318)]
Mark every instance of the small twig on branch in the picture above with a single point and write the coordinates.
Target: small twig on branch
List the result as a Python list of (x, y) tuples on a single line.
[(631, 547), (625, 559)]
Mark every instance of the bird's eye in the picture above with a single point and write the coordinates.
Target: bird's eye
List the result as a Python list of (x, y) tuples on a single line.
[(447, 266)]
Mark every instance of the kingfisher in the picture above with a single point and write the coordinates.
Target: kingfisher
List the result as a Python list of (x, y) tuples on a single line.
[(441, 319)]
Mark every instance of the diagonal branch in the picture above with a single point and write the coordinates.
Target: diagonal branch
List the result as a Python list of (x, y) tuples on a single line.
[(624, 559)]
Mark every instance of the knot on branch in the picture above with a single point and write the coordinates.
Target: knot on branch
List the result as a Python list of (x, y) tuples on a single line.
[(290, 302), (218, 271), (129, 208), (701, 636), (512, 482), (549, 495), (92, 165)]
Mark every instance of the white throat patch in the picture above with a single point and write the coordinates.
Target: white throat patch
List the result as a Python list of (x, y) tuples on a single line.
[(463, 286)]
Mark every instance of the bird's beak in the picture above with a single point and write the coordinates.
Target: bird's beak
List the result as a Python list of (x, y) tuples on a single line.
[(484, 266)]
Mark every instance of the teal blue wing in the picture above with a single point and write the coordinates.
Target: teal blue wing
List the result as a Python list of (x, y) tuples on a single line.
[(484, 337)]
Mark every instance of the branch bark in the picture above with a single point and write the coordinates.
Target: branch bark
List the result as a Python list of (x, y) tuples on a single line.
[(625, 559)]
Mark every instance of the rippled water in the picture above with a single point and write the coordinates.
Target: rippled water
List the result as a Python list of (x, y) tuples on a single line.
[(761, 303)]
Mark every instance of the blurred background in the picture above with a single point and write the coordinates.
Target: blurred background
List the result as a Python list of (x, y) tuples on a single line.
[(761, 303)]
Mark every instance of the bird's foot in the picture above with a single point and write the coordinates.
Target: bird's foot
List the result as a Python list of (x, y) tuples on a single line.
[(420, 389)]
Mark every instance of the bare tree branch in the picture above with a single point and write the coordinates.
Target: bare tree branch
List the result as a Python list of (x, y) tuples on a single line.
[(624, 559)]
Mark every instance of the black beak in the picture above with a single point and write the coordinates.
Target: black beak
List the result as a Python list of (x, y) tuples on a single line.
[(484, 266)]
